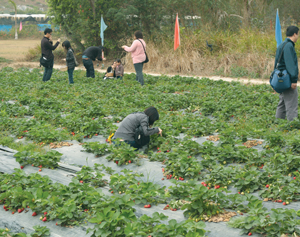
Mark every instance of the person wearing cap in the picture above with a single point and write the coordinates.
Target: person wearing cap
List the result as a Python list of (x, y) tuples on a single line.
[(89, 55)]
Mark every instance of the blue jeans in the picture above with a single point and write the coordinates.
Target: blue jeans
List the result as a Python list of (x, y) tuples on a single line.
[(89, 66), (48, 72), (119, 77), (70, 73), (139, 72)]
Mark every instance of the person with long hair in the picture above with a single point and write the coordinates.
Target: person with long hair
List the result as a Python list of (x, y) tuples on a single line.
[(70, 59), (145, 119), (138, 55)]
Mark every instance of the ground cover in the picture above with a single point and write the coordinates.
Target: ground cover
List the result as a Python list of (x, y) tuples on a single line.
[(222, 154)]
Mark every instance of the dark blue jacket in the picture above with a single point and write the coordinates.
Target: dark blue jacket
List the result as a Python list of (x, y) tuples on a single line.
[(288, 60)]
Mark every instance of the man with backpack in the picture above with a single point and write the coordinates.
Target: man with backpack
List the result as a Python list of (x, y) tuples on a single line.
[(288, 100)]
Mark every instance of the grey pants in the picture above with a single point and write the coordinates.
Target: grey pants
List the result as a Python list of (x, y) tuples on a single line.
[(288, 105), (139, 72)]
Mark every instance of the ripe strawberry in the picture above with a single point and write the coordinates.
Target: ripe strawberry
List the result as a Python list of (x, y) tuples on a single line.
[(162, 179), (56, 223), (117, 162), (22, 166), (267, 186), (93, 118), (20, 210), (249, 234), (40, 166), (157, 148), (34, 214), (158, 151), (129, 161), (145, 206), (279, 200), (45, 213), (112, 191), (174, 209), (96, 134), (13, 212), (168, 151), (44, 219), (40, 170), (81, 181), (284, 203), (32, 165), (294, 178), (149, 206)]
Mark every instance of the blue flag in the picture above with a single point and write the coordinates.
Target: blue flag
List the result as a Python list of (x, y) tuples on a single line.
[(102, 29), (278, 35)]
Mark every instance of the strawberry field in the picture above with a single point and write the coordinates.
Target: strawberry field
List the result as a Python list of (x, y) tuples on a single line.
[(223, 167)]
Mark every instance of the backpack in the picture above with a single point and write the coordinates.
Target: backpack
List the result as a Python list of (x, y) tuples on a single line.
[(280, 80)]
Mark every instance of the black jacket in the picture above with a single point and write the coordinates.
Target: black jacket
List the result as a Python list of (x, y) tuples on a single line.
[(93, 52), (70, 59), (288, 60), (47, 48)]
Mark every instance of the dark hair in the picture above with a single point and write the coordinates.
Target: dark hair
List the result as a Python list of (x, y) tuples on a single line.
[(152, 113), (291, 30), (138, 34), (118, 60), (66, 44), (47, 30)]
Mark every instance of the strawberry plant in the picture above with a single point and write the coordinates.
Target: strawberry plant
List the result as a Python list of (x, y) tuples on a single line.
[(221, 176), (121, 183), (247, 180), (47, 160), (122, 153), (180, 164), (111, 223), (278, 222), (204, 201), (96, 148), (88, 174), (181, 190), (147, 192)]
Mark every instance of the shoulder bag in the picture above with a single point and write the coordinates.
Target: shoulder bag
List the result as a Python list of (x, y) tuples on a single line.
[(147, 59), (280, 80), (44, 62)]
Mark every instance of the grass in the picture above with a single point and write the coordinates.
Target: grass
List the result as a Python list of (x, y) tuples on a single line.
[(4, 60), (248, 53)]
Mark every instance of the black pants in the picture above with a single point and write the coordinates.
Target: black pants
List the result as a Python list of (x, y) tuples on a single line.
[(89, 66), (48, 71)]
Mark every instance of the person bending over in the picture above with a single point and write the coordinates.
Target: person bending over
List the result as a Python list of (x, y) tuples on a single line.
[(145, 119)]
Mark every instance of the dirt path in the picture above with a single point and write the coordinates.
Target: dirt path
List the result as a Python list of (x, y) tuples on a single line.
[(15, 50)]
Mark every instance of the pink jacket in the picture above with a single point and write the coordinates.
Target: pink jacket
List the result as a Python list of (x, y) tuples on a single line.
[(137, 51)]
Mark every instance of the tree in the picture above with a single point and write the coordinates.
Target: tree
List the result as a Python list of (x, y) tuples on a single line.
[(15, 7), (80, 20)]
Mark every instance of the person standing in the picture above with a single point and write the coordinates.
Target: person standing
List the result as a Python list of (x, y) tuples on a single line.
[(138, 55), (89, 55), (47, 48), (288, 100), (70, 59)]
